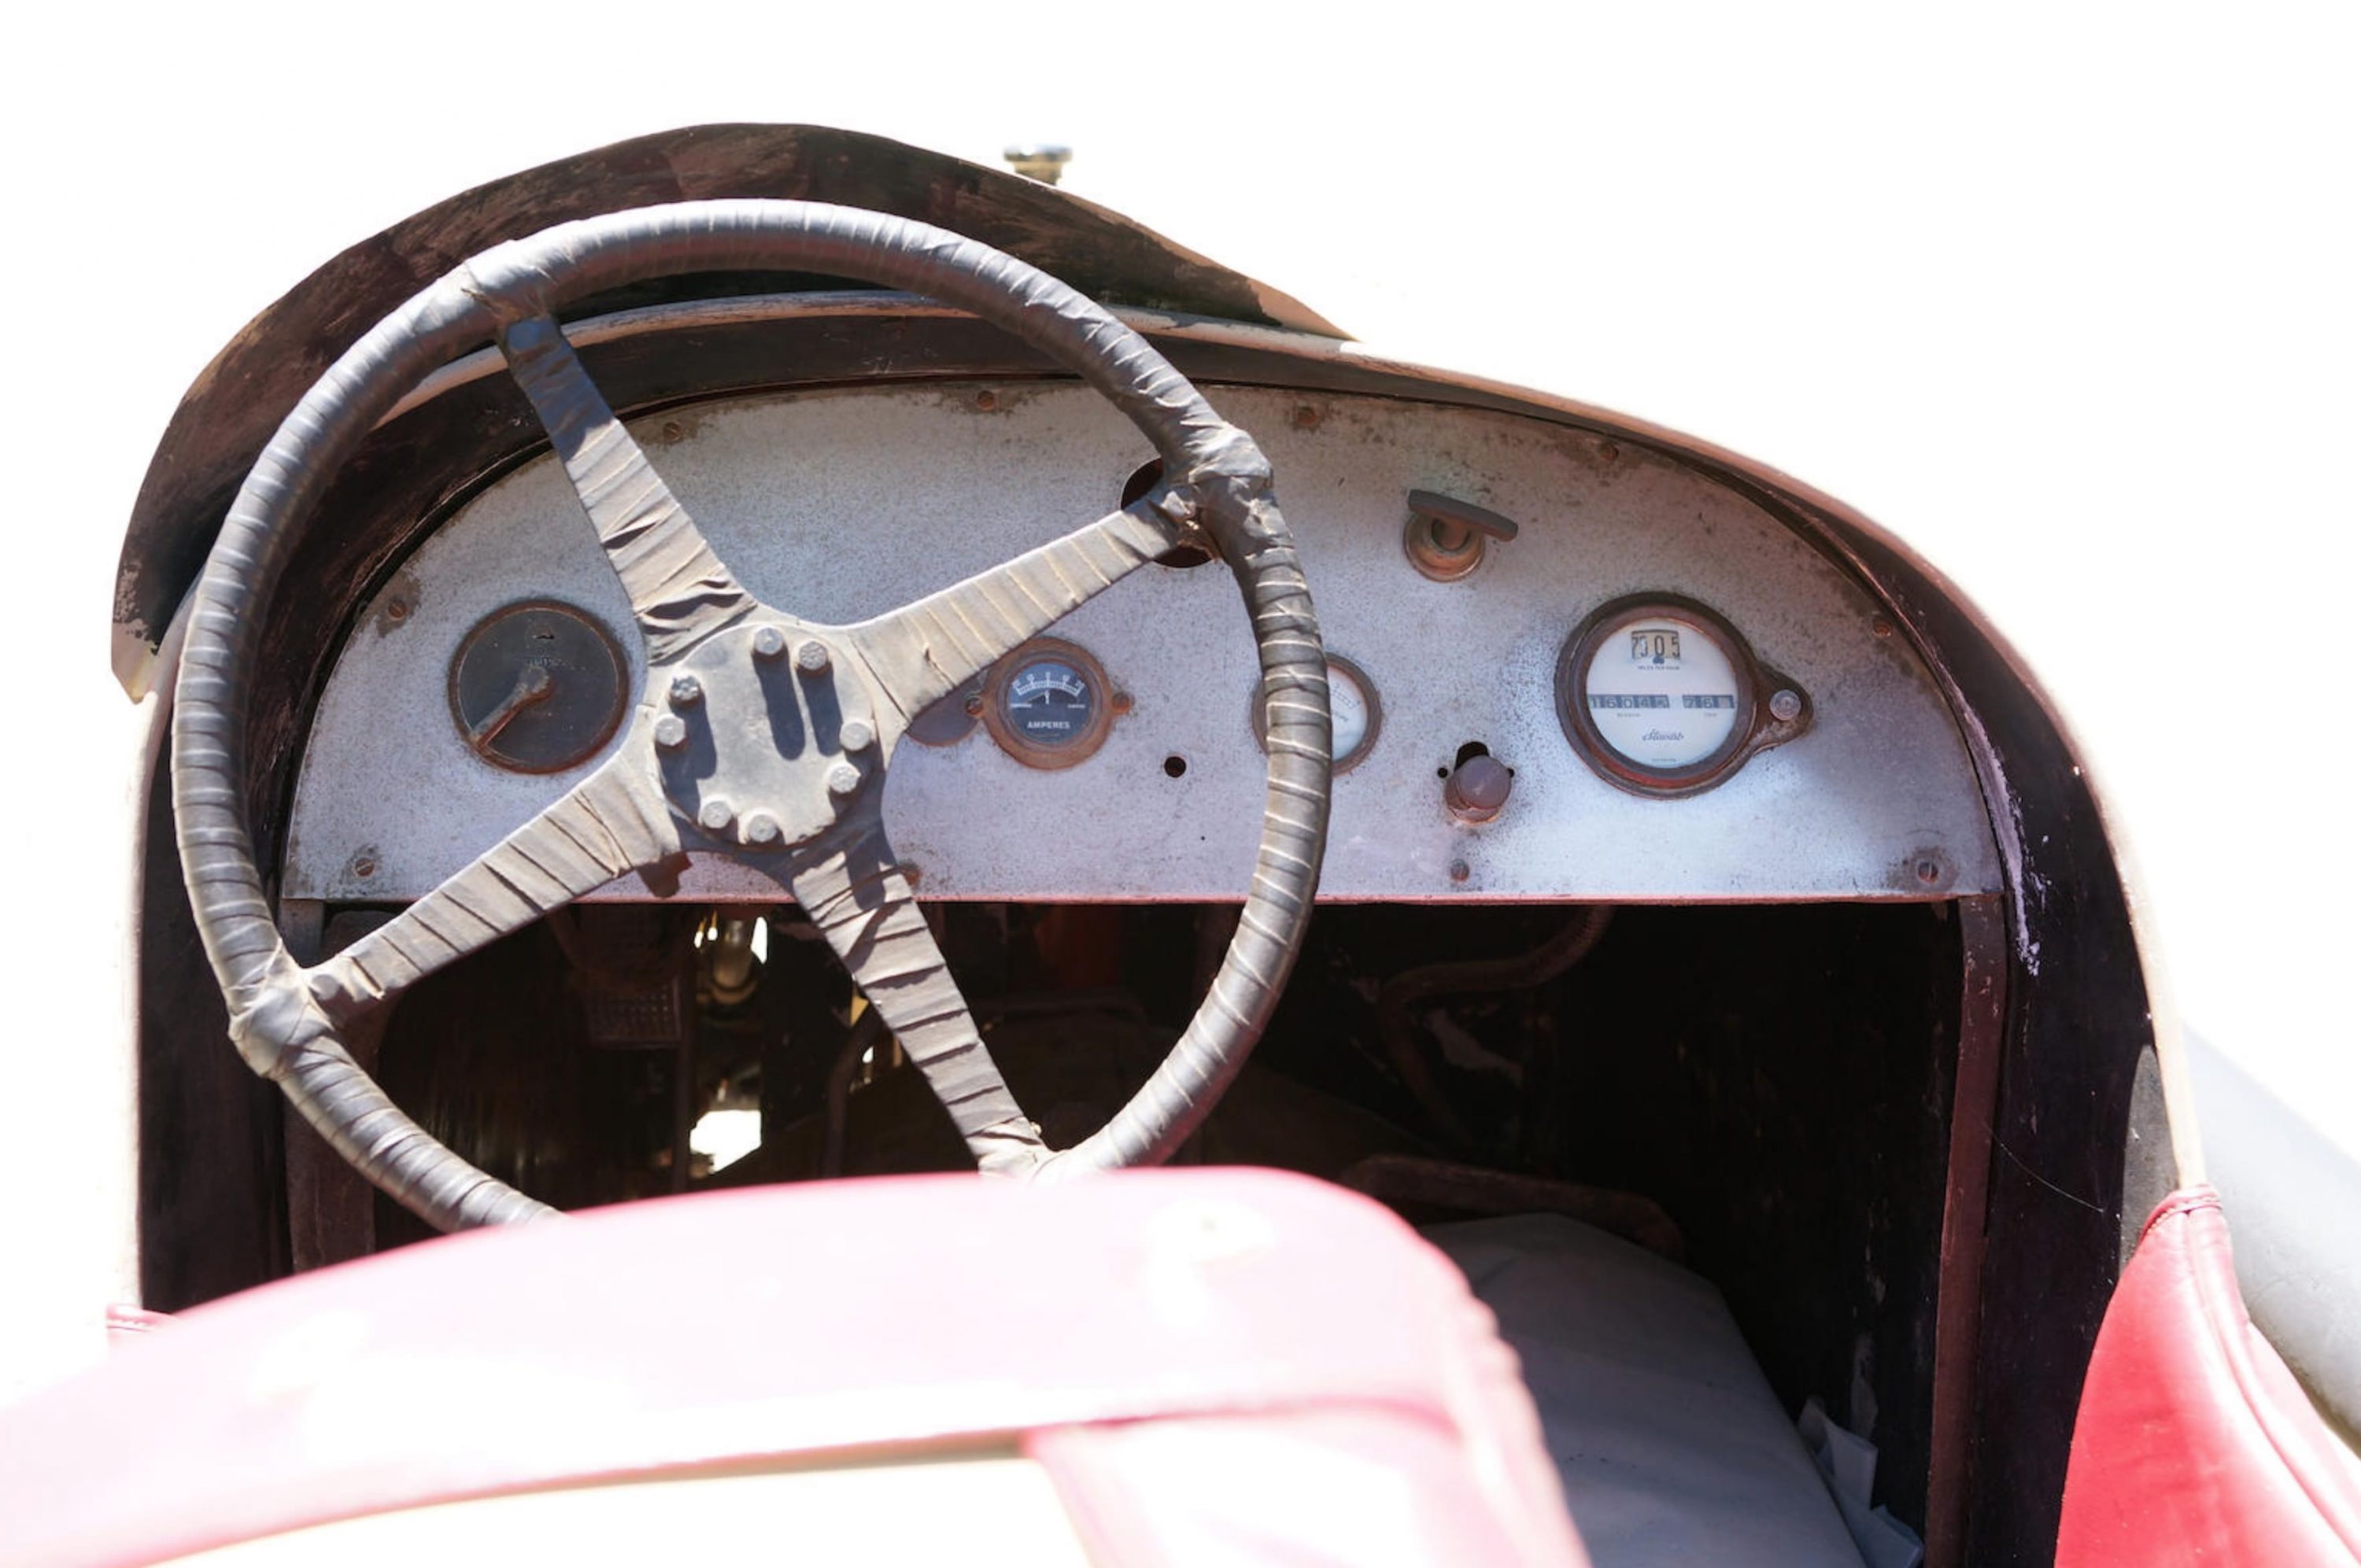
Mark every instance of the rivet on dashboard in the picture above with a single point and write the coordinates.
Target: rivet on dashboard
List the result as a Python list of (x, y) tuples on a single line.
[(1459, 870), (843, 779), (769, 643), (670, 733), (714, 814), (855, 735), (686, 691), (811, 657), (1787, 706)]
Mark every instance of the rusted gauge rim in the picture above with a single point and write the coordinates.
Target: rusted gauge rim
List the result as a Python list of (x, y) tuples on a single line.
[(1756, 730), (607, 720), (1032, 753), (1256, 719)]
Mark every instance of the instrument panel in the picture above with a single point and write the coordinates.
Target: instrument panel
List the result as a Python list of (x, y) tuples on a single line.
[(1560, 666)]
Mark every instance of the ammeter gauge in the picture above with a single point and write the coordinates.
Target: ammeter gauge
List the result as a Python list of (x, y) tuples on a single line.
[(1354, 714), (1049, 704), (1662, 696)]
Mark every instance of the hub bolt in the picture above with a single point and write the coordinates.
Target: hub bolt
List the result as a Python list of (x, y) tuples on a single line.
[(843, 779), (714, 814), (811, 657), (856, 735), (670, 733), (686, 691), (769, 641)]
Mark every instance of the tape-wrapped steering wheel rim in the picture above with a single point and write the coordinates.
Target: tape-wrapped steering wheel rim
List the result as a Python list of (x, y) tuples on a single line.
[(280, 1025)]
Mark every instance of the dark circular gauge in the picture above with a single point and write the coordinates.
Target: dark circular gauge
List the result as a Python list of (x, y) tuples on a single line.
[(1354, 714), (1048, 704), (1663, 696), (538, 686)]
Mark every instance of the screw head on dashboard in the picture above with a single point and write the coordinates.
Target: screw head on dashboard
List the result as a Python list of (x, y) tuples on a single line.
[(1787, 706), (1931, 867), (688, 691), (670, 733)]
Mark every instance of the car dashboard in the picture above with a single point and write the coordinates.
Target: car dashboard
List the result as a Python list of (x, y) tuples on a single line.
[(1666, 693)]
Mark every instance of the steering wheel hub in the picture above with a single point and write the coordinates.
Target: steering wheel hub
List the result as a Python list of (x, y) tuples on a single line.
[(772, 751)]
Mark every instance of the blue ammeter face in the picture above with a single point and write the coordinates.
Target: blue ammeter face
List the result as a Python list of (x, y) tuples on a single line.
[(1050, 704)]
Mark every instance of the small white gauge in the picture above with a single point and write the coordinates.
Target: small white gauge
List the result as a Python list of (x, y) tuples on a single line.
[(1354, 713), (1662, 696), (1663, 692)]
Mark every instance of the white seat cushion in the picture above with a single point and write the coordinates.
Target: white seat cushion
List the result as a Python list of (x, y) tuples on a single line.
[(1671, 1444)]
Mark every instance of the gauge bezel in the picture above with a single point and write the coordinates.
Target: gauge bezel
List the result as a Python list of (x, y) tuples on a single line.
[(608, 722), (1756, 730), (1258, 720), (1032, 753)]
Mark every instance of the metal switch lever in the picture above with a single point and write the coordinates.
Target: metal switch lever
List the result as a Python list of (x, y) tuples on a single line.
[(1444, 539)]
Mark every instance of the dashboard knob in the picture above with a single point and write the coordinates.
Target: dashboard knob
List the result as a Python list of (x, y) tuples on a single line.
[(1477, 788)]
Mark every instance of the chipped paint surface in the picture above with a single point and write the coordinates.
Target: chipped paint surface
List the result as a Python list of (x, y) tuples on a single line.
[(843, 504)]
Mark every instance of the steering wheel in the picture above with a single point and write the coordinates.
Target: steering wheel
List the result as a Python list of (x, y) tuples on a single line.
[(758, 734)]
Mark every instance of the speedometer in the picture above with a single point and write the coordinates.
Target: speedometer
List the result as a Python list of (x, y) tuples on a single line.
[(1663, 695)]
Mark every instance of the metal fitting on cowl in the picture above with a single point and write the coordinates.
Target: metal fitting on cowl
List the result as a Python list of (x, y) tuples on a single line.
[(1445, 538)]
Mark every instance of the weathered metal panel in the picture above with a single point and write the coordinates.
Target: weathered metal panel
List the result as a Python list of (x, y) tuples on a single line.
[(843, 504)]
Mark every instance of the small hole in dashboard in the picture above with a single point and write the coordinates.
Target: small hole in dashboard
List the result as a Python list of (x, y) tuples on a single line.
[(1175, 766)]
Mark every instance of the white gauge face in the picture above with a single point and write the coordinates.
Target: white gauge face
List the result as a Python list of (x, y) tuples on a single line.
[(1348, 713), (1354, 714), (1663, 692)]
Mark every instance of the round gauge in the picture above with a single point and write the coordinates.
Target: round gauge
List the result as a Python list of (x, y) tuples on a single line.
[(1354, 714), (537, 687), (1659, 694), (1048, 704)]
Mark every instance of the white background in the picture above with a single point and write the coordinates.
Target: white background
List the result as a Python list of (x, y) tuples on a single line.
[(2064, 295)]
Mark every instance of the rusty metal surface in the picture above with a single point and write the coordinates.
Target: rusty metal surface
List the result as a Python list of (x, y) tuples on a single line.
[(849, 502)]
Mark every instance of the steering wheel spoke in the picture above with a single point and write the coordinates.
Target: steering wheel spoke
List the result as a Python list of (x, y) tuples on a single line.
[(927, 650), (680, 591), (612, 823), (857, 896)]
